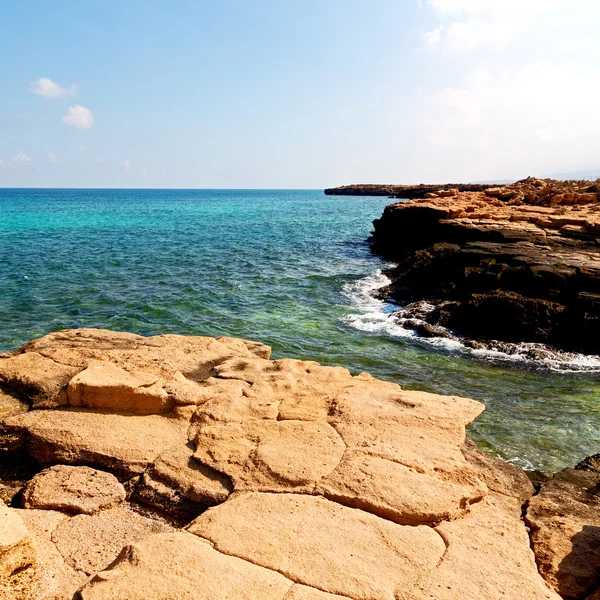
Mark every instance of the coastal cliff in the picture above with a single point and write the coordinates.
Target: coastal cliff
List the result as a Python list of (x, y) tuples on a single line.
[(404, 191), (176, 467), (517, 263)]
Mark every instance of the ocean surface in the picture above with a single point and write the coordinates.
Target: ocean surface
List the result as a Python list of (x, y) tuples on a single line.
[(288, 268)]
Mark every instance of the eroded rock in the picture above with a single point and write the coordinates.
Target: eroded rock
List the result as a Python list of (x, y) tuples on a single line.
[(180, 566), (321, 544), (321, 485), (565, 521), (89, 543), (122, 444), (73, 490), (17, 556)]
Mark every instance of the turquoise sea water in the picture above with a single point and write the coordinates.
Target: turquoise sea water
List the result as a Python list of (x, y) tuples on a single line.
[(289, 268)]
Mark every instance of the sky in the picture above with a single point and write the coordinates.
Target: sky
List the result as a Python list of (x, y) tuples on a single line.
[(296, 94)]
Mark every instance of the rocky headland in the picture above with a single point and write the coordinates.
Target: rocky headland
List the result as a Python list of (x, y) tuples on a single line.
[(404, 191), (513, 263), (177, 468)]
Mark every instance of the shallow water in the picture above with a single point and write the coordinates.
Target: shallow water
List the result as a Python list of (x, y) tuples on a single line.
[(289, 268)]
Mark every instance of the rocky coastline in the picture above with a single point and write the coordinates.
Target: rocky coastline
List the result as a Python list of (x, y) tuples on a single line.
[(515, 263), (176, 467), (404, 191)]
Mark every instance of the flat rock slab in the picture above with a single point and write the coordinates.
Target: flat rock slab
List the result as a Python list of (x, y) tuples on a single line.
[(122, 444), (270, 455), (488, 557), (104, 385), (54, 579), (396, 492), (180, 566), (73, 490), (321, 544), (89, 543)]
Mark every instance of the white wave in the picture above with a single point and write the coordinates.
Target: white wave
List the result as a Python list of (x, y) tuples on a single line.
[(378, 316), (375, 316)]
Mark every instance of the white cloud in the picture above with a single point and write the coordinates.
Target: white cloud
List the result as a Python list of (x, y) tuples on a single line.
[(99, 159), (499, 118), (144, 171), (21, 157), (1, 161), (50, 89), (79, 116), (82, 147), (467, 25), (126, 165), (51, 156)]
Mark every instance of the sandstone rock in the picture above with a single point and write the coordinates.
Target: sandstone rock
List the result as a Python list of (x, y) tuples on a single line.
[(180, 566), (323, 485), (104, 385), (17, 556), (40, 379), (230, 401), (89, 543), (121, 444), (499, 476), (180, 485), (303, 592), (564, 518), (361, 556), (10, 403), (53, 579), (73, 490), (270, 455), (496, 563), (395, 492)]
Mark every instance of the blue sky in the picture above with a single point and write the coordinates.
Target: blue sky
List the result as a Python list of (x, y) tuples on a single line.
[(152, 93)]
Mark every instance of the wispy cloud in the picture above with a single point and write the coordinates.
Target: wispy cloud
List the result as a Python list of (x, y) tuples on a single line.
[(51, 156), (467, 25), (21, 157), (126, 165), (79, 116), (50, 89)]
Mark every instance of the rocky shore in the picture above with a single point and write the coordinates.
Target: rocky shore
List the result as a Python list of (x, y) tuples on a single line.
[(196, 468), (516, 263), (404, 191)]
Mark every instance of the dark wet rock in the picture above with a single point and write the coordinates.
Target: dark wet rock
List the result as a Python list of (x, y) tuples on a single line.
[(499, 271), (407, 191)]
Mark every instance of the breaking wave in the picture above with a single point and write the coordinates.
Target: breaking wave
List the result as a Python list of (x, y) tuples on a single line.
[(386, 318)]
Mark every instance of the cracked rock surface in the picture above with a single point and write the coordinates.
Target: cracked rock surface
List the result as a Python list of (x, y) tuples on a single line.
[(197, 468)]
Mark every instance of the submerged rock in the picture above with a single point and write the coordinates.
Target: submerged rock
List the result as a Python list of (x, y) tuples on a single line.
[(248, 478)]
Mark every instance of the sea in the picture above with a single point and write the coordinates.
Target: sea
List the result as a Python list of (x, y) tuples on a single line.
[(291, 268)]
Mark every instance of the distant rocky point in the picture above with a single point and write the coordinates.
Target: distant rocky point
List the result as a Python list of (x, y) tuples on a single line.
[(172, 468), (404, 191), (513, 263)]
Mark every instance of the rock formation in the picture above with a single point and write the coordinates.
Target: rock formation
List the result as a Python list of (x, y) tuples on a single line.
[(405, 191), (188, 467), (514, 263)]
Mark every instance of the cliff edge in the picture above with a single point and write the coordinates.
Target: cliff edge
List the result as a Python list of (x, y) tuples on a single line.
[(517, 263)]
